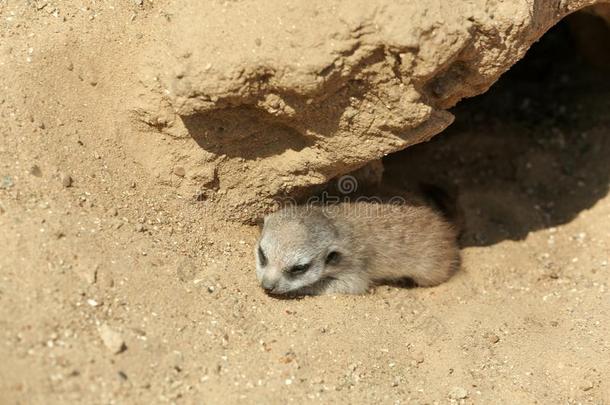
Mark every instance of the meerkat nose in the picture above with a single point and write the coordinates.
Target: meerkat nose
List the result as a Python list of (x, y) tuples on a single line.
[(268, 284)]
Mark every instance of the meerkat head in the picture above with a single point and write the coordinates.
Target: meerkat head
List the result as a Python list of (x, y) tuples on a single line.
[(297, 248)]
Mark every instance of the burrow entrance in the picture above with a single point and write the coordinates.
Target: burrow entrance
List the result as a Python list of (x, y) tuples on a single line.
[(532, 152)]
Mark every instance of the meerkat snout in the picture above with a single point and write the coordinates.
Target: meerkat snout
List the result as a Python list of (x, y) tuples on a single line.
[(316, 250)]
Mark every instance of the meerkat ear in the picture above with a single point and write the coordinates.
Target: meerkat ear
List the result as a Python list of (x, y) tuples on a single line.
[(260, 223), (332, 257)]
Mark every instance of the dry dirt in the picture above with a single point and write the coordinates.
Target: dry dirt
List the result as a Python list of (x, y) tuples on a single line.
[(116, 287)]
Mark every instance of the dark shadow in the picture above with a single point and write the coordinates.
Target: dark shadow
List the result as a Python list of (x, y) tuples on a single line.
[(531, 153)]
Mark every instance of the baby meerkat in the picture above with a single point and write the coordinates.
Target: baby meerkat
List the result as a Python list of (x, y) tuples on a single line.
[(347, 247)]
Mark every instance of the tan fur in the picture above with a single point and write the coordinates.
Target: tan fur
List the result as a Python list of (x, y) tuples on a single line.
[(374, 242)]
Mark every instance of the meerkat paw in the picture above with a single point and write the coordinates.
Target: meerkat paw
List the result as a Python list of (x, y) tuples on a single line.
[(342, 285), (346, 283)]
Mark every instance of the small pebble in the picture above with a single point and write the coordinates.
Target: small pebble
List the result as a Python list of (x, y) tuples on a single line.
[(7, 182), (112, 339), (586, 385), (458, 393), (418, 357), (35, 171), (179, 171), (89, 275), (93, 302), (140, 228), (66, 180), (493, 338)]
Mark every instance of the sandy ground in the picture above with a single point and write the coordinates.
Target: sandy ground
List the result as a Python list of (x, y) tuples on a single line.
[(115, 288)]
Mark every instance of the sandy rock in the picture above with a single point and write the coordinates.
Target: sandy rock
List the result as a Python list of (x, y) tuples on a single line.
[(336, 85)]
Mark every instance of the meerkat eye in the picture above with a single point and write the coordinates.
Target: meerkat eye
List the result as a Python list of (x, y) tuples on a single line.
[(333, 257), (261, 257), (299, 268)]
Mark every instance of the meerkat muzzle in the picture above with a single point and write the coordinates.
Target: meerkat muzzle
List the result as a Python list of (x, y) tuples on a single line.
[(268, 284)]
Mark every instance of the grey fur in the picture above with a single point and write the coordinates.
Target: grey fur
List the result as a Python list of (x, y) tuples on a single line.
[(374, 242)]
